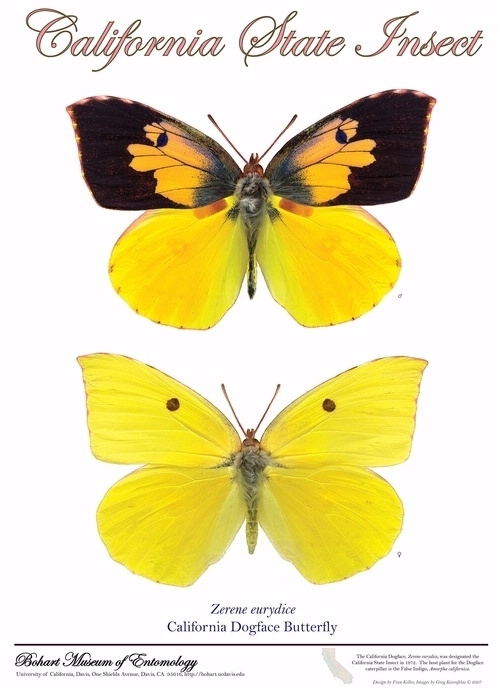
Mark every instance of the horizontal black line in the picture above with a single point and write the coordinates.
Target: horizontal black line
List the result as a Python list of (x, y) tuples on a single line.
[(325, 643)]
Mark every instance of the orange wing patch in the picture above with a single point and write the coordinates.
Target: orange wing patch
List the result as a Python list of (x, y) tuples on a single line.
[(324, 161), (179, 166)]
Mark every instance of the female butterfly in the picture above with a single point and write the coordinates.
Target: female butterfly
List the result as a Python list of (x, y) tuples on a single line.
[(208, 222), (306, 482)]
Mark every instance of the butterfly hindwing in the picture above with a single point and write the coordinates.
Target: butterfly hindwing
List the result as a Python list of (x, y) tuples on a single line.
[(170, 525), (326, 265), (181, 268), (369, 152), (136, 158), (354, 516)]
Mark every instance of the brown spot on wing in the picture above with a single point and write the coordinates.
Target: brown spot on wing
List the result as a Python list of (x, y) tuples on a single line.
[(173, 404)]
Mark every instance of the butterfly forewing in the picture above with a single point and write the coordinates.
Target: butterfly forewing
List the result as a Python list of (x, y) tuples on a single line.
[(136, 158), (138, 415), (369, 152), (363, 417)]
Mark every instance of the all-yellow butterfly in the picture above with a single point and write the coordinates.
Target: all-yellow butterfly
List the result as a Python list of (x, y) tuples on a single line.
[(209, 223), (306, 482)]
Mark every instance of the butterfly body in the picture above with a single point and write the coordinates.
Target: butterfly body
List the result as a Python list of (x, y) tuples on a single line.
[(208, 223), (252, 206), (307, 482), (250, 465)]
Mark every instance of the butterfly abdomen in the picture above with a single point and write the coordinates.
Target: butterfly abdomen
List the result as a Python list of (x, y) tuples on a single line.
[(250, 464), (252, 192)]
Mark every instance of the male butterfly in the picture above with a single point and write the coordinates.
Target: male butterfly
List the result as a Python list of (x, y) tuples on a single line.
[(208, 223), (306, 482)]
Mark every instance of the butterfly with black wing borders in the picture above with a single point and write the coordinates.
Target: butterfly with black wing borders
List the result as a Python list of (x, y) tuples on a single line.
[(208, 223)]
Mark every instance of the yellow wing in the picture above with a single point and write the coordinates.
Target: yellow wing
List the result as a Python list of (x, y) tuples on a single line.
[(363, 417), (138, 415), (182, 268), (319, 505), (326, 265), (170, 521), (170, 525), (330, 523)]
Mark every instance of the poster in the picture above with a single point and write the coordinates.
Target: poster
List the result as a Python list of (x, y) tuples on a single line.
[(422, 614)]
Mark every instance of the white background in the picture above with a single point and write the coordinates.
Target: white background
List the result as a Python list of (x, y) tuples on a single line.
[(59, 304)]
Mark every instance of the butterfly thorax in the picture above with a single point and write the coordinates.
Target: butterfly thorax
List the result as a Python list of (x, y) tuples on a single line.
[(252, 193), (250, 464)]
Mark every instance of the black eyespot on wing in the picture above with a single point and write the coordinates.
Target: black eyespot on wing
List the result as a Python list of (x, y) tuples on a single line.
[(328, 405), (162, 139)]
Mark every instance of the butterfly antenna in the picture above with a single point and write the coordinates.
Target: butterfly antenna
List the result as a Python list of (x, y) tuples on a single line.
[(231, 407), (264, 413), (275, 393), (272, 144), (239, 154)]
